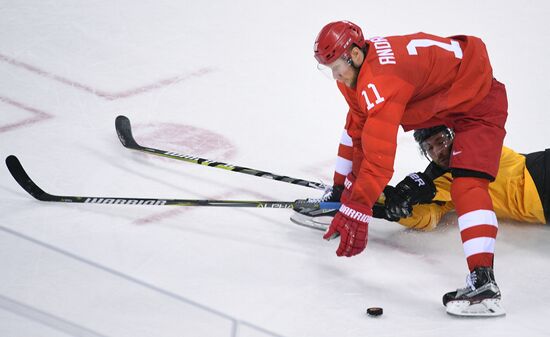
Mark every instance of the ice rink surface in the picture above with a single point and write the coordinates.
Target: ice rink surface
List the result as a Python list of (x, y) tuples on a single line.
[(233, 81)]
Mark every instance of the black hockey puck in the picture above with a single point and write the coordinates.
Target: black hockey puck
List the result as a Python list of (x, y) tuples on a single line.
[(375, 311)]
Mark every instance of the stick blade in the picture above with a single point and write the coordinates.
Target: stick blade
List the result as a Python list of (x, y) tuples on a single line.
[(124, 132), (18, 173)]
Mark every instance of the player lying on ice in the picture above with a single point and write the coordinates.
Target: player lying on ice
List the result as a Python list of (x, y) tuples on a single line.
[(518, 192), (418, 81), (422, 198)]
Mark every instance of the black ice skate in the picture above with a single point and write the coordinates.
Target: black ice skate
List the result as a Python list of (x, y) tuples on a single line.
[(481, 296), (318, 218)]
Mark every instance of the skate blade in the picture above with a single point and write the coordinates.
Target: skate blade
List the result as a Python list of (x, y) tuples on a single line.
[(485, 308), (320, 223)]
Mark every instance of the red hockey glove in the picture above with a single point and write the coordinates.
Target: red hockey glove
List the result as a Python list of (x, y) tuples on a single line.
[(352, 223)]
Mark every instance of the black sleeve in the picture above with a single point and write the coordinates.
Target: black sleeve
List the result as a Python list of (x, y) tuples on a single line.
[(538, 165), (434, 171)]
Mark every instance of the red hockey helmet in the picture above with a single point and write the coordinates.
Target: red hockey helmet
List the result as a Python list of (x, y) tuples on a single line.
[(334, 40)]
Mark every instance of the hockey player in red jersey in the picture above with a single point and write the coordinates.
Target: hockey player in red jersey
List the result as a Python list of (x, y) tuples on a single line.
[(418, 81)]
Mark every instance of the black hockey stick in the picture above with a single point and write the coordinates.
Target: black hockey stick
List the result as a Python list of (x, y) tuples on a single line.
[(23, 179), (124, 132)]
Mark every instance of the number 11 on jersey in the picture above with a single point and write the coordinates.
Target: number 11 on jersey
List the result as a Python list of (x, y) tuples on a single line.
[(379, 99)]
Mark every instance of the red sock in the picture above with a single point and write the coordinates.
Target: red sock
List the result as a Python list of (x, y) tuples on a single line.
[(476, 219)]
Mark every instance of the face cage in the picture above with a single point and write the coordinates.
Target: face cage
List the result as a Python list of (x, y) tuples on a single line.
[(327, 70), (448, 133)]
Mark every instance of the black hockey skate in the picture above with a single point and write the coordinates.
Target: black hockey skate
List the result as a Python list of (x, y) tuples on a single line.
[(481, 296), (315, 217)]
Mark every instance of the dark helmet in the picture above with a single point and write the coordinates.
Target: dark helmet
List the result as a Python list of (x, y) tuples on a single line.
[(334, 40), (421, 135)]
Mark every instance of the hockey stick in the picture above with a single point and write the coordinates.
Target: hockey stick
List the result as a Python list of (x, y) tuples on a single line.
[(23, 179), (124, 132)]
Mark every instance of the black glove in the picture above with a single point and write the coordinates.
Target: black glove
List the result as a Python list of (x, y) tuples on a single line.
[(379, 212), (396, 204), (416, 188)]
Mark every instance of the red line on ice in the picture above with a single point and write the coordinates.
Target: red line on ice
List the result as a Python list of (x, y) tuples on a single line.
[(105, 94), (39, 115)]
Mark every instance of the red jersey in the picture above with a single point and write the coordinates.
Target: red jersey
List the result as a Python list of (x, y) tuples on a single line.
[(415, 81)]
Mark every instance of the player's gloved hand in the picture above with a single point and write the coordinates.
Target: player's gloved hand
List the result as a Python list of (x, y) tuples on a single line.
[(416, 188), (379, 212), (352, 224), (396, 204)]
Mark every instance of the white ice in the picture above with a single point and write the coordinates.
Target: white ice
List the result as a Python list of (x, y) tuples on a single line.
[(233, 81)]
